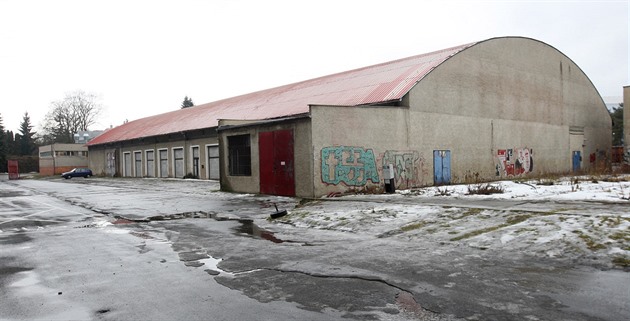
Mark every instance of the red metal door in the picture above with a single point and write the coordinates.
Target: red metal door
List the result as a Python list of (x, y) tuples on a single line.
[(265, 157), (275, 151)]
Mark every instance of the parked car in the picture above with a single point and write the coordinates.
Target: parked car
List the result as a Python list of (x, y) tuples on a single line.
[(77, 172)]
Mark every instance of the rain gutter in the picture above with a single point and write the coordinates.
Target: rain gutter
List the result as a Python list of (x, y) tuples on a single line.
[(255, 123)]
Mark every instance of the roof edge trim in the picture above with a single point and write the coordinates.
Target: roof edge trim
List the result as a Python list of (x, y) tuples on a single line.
[(263, 122)]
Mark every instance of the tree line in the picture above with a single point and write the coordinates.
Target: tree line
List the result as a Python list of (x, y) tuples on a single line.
[(77, 111)]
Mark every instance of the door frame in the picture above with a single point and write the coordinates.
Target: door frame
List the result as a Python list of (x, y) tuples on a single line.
[(576, 165), (277, 169), (441, 173)]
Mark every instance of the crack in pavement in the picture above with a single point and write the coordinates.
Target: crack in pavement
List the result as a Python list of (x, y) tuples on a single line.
[(339, 276)]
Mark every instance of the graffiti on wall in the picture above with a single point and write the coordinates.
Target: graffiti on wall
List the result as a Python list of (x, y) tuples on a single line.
[(409, 167), (353, 166), (514, 162)]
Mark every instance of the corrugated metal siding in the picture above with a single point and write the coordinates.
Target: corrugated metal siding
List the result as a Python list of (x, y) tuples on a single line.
[(369, 85)]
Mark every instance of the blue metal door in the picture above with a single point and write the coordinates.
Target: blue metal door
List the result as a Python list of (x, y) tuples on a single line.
[(441, 167), (577, 160)]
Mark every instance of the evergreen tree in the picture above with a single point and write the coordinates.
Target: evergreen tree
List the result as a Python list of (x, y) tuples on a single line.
[(26, 140), (187, 102), (3, 148), (617, 129), (11, 144)]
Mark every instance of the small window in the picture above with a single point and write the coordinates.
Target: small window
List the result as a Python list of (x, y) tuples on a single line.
[(240, 155)]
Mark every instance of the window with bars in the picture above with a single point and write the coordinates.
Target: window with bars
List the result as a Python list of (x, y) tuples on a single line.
[(239, 154)]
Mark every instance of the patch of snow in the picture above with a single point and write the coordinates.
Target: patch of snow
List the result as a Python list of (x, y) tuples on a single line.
[(505, 238), (616, 250), (566, 219)]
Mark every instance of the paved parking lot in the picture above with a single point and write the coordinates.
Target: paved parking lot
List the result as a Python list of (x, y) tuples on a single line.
[(173, 249)]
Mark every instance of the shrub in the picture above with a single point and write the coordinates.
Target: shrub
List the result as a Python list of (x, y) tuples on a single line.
[(442, 191), (545, 182), (485, 189)]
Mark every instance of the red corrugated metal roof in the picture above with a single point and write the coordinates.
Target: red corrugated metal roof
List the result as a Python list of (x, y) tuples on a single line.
[(369, 85)]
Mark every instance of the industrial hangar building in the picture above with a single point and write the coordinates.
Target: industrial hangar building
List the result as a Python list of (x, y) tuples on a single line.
[(500, 108)]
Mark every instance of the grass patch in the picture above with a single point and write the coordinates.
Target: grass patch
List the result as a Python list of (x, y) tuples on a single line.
[(621, 261), (524, 230), (413, 226), (473, 211), (611, 221), (469, 212), (620, 236), (299, 214), (589, 241), (478, 232), (512, 220)]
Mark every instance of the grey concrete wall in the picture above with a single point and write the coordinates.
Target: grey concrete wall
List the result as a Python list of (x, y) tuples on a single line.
[(626, 123), (526, 93), (504, 108), (241, 184), (303, 165), (97, 160), (363, 140), (350, 146)]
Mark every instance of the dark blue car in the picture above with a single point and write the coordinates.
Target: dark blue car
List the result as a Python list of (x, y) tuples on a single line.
[(77, 172)]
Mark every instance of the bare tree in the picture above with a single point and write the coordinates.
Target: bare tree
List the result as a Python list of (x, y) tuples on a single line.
[(76, 112)]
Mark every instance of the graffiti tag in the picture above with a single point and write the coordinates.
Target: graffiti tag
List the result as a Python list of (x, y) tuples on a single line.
[(353, 166), (408, 167), (514, 162)]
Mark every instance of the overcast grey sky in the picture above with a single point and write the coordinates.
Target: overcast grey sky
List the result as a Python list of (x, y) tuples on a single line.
[(143, 57)]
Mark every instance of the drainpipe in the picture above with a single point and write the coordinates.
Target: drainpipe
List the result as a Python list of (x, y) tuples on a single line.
[(52, 148)]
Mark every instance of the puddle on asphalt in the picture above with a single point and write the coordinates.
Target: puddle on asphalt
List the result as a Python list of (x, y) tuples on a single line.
[(178, 216), (248, 227), (122, 221)]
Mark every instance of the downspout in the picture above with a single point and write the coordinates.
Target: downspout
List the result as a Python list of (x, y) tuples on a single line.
[(52, 148)]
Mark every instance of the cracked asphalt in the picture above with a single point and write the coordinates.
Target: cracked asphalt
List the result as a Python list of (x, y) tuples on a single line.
[(178, 249)]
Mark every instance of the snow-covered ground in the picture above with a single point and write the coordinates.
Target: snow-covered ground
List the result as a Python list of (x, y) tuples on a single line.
[(583, 188), (578, 218)]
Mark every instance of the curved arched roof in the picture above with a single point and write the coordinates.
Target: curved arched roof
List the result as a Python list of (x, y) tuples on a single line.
[(370, 85), (376, 84)]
